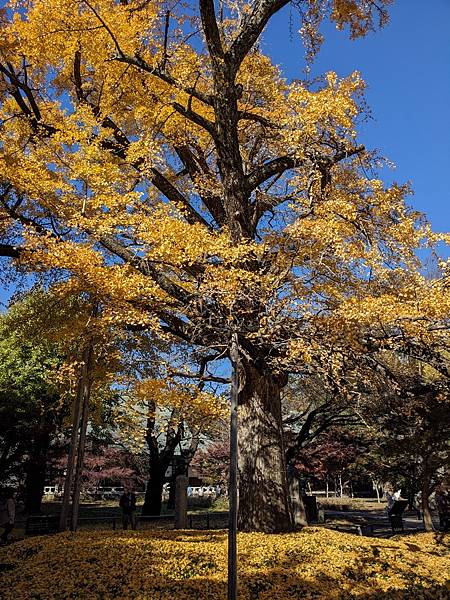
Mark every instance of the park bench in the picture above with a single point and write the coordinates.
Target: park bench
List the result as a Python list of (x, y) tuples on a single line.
[(345, 527), (86, 520), (41, 525), (196, 520), (395, 515), (164, 519), (444, 521)]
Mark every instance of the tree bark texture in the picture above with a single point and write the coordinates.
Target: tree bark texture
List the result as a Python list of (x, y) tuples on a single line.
[(263, 489), (181, 502)]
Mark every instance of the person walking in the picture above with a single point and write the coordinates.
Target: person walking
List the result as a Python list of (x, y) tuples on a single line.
[(128, 506), (7, 513)]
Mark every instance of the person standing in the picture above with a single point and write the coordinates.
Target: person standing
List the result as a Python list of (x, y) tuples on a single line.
[(128, 506), (443, 506), (390, 500), (7, 514)]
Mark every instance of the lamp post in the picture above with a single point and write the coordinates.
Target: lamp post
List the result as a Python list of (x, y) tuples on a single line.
[(233, 483)]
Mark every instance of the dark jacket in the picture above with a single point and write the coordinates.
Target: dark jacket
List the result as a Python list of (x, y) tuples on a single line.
[(128, 502)]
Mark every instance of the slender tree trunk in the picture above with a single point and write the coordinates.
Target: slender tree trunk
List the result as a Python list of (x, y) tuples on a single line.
[(86, 384), (427, 518), (263, 489), (375, 485), (71, 458), (77, 440)]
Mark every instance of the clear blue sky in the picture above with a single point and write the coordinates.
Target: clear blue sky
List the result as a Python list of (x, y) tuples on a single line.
[(406, 67)]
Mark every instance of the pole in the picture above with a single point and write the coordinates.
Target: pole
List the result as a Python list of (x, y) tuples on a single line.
[(71, 458), (181, 484), (79, 413), (233, 483), (86, 387)]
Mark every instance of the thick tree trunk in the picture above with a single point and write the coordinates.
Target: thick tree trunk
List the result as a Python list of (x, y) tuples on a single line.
[(153, 494), (263, 488)]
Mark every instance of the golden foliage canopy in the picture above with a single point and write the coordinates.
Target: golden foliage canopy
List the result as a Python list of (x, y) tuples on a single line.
[(177, 176)]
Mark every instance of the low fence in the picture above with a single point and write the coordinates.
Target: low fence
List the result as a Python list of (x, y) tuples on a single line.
[(47, 524)]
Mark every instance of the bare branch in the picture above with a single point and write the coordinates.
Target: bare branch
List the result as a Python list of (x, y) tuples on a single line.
[(281, 164), (251, 28), (210, 29), (172, 194), (10, 251)]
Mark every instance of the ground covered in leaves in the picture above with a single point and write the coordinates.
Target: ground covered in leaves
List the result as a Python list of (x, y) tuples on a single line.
[(156, 565)]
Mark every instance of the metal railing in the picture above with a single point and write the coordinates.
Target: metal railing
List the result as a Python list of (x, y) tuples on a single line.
[(47, 524)]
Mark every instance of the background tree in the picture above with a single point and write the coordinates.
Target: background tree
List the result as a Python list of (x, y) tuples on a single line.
[(331, 457), (165, 420), (312, 405), (213, 463), (40, 354), (32, 405), (168, 408), (411, 437), (107, 466)]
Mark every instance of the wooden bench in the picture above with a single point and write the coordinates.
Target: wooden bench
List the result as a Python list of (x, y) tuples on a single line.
[(111, 520)]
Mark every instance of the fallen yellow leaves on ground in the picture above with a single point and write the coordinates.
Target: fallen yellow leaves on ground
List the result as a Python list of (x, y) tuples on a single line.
[(176, 565)]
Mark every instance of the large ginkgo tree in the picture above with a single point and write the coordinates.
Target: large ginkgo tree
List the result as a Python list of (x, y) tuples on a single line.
[(154, 157)]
